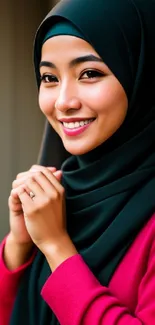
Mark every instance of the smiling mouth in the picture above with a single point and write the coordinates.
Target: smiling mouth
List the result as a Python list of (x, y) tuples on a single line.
[(77, 124), (73, 129)]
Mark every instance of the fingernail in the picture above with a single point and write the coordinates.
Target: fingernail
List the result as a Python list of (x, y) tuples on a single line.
[(52, 168), (58, 172)]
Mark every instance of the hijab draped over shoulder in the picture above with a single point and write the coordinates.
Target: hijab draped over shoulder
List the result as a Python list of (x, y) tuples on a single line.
[(110, 191)]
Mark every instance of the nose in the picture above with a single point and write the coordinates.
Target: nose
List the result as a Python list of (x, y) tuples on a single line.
[(67, 99)]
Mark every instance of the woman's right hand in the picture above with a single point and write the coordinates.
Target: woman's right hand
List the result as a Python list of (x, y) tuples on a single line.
[(18, 243)]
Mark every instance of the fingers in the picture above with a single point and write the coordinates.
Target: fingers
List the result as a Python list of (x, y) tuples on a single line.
[(38, 180), (14, 198), (25, 199), (33, 186), (14, 205), (22, 177), (14, 202), (40, 183), (50, 179), (35, 168), (58, 175), (46, 187), (16, 183)]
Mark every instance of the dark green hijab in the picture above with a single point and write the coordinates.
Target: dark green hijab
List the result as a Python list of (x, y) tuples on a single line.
[(110, 192)]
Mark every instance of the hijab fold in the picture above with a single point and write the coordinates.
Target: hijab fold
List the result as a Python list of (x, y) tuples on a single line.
[(110, 190)]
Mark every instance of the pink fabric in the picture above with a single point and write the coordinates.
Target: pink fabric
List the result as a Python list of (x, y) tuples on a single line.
[(9, 282), (77, 297)]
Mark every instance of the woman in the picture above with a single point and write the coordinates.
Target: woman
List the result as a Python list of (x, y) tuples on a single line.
[(92, 222)]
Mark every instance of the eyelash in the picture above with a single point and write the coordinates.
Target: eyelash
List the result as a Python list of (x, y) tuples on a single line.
[(48, 76), (93, 74), (52, 79)]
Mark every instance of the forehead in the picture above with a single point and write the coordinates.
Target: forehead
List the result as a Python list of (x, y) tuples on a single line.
[(66, 44)]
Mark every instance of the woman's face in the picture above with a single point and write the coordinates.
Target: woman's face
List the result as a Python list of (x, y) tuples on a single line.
[(79, 95)]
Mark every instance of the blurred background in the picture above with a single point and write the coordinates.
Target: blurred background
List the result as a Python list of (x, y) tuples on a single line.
[(21, 122)]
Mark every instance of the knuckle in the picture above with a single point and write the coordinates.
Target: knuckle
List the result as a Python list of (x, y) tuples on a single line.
[(34, 166), (12, 191), (29, 180), (55, 196), (38, 173), (37, 168), (62, 191), (19, 175), (14, 184)]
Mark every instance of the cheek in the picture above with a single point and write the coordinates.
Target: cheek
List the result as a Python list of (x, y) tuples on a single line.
[(101, 94), (111, 98), (46, 102)]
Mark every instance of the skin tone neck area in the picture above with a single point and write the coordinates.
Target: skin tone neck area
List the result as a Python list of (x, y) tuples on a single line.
[(79, 95)]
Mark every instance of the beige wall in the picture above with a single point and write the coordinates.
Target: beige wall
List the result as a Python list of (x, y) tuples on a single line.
[(21, 122)]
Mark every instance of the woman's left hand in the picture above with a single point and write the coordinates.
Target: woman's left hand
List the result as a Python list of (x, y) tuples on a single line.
[(45, 217)]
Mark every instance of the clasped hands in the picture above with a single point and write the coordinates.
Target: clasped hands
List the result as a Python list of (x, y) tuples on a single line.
[(41, 219)]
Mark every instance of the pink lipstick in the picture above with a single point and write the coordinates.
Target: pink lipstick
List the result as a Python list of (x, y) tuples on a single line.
[(76, 129)]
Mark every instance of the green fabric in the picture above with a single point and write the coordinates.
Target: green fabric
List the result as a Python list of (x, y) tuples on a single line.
[(110, 192), (62, 28)]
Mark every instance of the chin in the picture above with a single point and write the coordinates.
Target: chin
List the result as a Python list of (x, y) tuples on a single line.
[(78, 150)]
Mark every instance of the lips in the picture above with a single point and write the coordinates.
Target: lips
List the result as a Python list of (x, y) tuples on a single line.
[(76, 128)]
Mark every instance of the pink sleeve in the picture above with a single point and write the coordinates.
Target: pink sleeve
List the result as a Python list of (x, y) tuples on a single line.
[(77, 298), (9, 281)]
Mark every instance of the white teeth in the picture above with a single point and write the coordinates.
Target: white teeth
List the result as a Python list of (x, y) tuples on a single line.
[(76, 124), (73, 125)]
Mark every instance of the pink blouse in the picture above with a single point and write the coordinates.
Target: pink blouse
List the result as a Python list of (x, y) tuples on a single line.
[(77, 297)]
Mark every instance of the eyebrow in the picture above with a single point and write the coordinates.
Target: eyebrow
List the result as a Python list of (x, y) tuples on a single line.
[(74, 62)]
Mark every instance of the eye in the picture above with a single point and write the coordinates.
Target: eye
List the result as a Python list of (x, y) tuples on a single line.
[(48, 78), (90, 74)]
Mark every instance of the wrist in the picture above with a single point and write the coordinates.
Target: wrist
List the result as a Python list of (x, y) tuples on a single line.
[(57, 252), (15, 254), (21, 245)]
